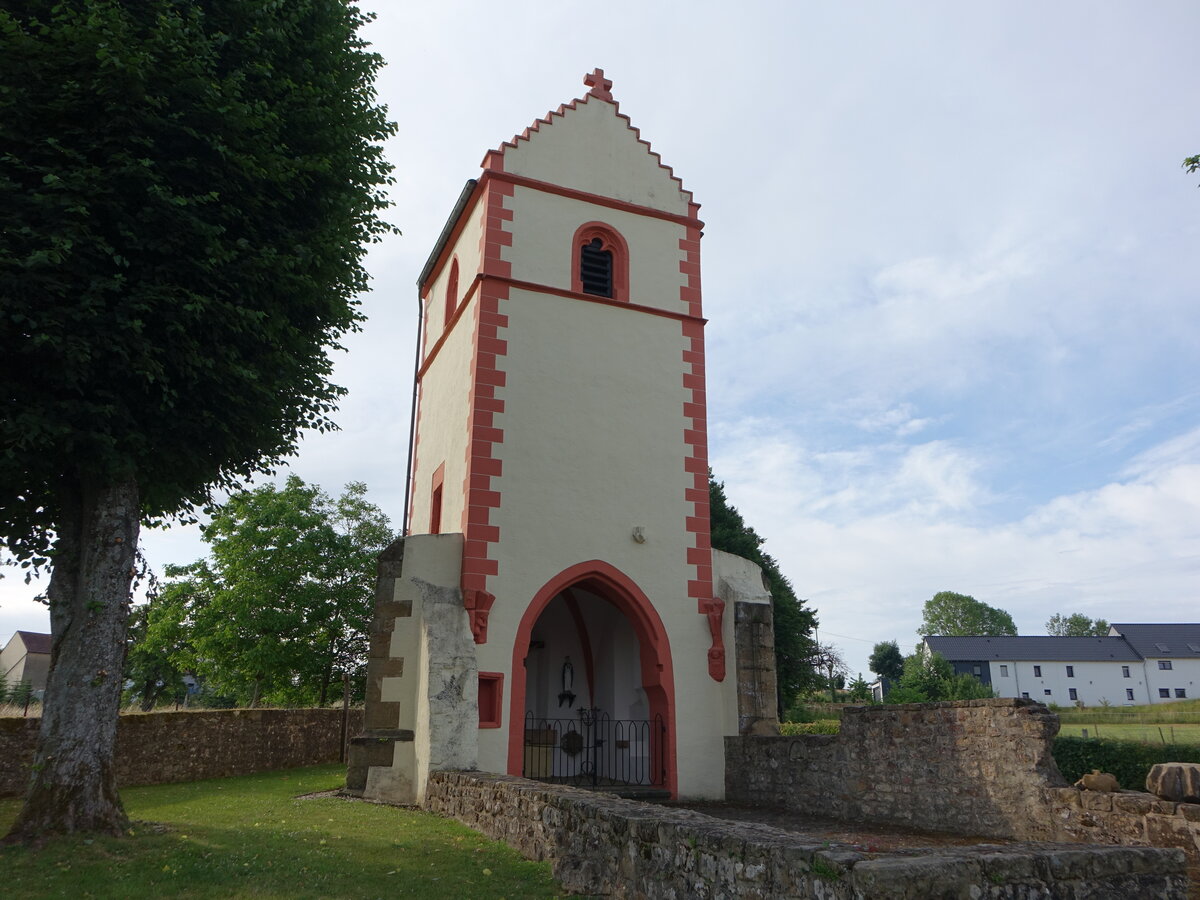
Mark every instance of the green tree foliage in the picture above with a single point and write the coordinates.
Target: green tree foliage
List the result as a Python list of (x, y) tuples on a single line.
[(960, 614), (188, 191), (930, 676), (794, 622), (887, 661), (160, 651), (1192, 164), (860, 690), (283, 608), (1076, 625)]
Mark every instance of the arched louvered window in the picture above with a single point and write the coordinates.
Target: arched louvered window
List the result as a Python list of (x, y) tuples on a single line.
[(596, 268), (600, 266)]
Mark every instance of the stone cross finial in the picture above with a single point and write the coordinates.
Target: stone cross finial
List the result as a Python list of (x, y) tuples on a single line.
[(599, 85)]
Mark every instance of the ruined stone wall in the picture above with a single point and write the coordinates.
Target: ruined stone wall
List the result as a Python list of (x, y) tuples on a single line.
[(163, 747), (600, 844), (980, 767), (974, 766)]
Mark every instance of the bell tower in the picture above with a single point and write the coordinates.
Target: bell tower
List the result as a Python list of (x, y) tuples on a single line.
[(561, 430)]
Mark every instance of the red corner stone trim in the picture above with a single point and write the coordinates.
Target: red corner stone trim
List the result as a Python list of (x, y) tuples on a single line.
[(478, 605), (714, 609), (486, 379), (695, 438)]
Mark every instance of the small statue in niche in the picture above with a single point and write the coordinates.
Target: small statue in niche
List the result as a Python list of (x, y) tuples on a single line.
[(568, 682)]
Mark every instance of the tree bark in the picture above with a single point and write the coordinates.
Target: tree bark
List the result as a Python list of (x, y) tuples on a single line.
[(74, 788)]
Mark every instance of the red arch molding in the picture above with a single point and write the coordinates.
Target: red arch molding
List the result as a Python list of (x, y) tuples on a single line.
[(658, 677)]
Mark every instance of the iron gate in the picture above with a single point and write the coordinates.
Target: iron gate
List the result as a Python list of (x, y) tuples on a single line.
[(594, 750)]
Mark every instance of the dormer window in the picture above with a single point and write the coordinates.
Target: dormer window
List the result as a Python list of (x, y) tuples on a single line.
[(600, 262)]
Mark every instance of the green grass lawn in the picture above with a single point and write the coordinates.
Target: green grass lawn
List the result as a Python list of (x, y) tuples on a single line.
[(1130, 731), (253, 836)]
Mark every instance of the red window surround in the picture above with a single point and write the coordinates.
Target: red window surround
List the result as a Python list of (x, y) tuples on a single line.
[(452, 292), (491, 697), (435, 500), (611, 241)]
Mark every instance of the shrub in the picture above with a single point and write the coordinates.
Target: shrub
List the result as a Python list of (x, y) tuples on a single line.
[(1129, 761), (821, 726)]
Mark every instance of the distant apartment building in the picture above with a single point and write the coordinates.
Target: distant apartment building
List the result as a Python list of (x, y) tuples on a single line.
[(26, 657), (1135, 664)]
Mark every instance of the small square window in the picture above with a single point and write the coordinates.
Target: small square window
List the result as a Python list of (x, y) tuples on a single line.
[(1164, 664), (1037, 671), (1164, 692), (1046, 692), (1073, 693), (1004, 671), (491, 694), (1180, 692), (977, 671), (1125, 673), (1025, 694), (1070, 671), (1128, 693)]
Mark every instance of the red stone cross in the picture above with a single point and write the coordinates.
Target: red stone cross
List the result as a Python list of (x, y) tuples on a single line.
[(599, 85)]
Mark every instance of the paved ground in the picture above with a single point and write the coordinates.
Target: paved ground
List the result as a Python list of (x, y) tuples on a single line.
[(866, 838)]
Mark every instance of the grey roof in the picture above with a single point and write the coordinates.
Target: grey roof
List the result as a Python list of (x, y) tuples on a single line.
[(1163, 641), (1033, 647)]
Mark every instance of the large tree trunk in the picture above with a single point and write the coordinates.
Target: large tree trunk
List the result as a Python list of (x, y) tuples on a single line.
[(74, 786)]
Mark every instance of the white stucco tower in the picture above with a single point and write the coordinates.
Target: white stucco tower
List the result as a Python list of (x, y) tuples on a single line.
[(560, 452)]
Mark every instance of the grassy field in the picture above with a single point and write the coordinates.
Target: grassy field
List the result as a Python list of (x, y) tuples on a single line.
[(254, 836), (1167, 733), (1174, 713)]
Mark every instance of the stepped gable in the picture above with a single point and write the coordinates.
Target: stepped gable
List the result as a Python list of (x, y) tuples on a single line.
[(599, 93)]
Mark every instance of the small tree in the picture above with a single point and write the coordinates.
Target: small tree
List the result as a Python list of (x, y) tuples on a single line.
[(961, 614), (860, 690), (887, 661)]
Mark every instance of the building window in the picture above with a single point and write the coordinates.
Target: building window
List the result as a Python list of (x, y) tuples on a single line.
[(1025, 694), (452, 292), (1074, 694), (1124, 671), (600, 265), (1164, 664), (1128, 693), (1070, 671), (491, 693), (1003, 671), (1164, 692), (1181, 693), (1046, 692), (435, 500), (977, 670), (1037, 671)]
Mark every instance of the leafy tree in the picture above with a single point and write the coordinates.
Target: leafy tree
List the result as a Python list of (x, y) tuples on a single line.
[(160, 650), (887, 661), (927, 672), (188, 191), (1076, 625), (950, 613), (285, 603), (1192, 164), (793, 621), (860, 690)]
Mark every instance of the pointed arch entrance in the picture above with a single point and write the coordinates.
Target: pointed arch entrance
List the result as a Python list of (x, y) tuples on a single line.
[(611, 594)]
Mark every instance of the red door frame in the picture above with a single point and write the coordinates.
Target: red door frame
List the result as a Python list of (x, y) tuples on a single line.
[(658, 677)]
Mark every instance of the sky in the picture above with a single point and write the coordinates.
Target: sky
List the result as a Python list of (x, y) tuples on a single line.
[(950, 270)]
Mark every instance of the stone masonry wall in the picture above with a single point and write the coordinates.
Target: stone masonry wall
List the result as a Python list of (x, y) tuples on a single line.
[(162, 747), (600, 844), (980, 767), (974, 767)]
